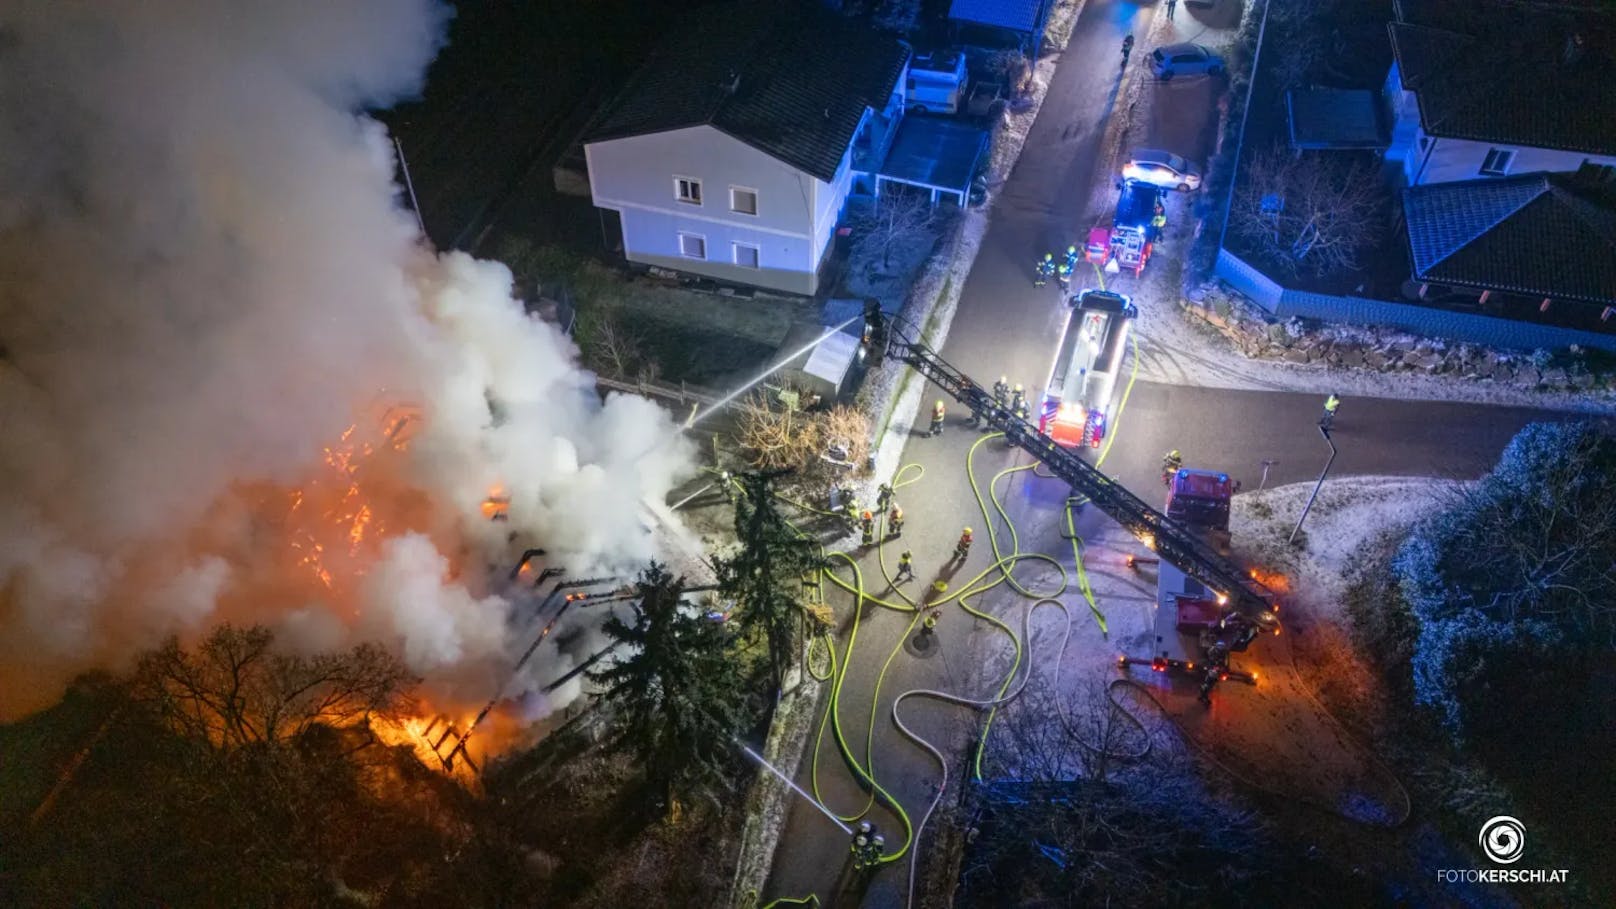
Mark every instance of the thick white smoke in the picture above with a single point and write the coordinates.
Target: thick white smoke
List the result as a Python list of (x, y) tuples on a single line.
[(204, 279)]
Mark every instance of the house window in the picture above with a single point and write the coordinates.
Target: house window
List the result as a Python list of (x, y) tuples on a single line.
[(693, 246), (742, 201), (687, 190), (1497, 162), (746, 255)]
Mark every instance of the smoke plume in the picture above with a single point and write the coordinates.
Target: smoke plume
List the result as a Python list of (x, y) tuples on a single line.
[(213, 313)]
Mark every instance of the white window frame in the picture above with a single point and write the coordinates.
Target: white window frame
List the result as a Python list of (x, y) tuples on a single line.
[(678, 191), (757, 254), (687, 235), (743, 189), (1505, 158)]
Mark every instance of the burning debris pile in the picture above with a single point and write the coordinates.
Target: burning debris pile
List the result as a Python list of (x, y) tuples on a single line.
[(235, 386)]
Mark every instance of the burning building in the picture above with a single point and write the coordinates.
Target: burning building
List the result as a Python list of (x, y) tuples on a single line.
[(235, 385)]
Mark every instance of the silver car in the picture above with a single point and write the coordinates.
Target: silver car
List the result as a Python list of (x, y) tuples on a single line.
[(1164, 169), (1171, 60)]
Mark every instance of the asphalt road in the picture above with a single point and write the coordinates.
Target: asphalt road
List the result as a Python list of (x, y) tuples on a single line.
[(1006, 326)]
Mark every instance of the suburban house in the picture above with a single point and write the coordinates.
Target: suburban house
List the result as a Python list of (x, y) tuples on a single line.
[(1540, 247), (1479, 92), (732, 153), (1504, 124)]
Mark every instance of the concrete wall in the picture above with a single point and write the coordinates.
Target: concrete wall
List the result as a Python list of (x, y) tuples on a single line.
[(1285, 303), (635, 176)]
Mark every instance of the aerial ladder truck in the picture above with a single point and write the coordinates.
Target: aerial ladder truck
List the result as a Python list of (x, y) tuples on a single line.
[(1245, 608)]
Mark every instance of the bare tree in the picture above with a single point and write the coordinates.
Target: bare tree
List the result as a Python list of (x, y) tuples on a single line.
[(1308, 214), (1096, 799), (897, 216), (773, 437), (235, 690), (612, 347)]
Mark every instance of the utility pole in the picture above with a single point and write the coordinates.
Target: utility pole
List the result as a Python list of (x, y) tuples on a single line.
[(1322, 474), (1267, 463)]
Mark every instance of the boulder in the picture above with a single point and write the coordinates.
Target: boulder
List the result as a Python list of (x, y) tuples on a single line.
[(1376, 359), (1278, 335), (1555, 377), (1429, 361), (1528, 375), (1583, 380), (1296, 355), (1350, 354)]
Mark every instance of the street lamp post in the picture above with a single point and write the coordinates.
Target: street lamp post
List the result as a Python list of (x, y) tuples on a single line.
[(1322, 474), (1267, 463)]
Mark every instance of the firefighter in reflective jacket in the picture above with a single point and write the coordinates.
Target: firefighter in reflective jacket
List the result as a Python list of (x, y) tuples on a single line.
[(937, 413), (1045, 268), (867, 523), (895, 521), (1001, 392), (1158, 221), (1072, 256), (1330, 405), (962, 549), (1063, 274)]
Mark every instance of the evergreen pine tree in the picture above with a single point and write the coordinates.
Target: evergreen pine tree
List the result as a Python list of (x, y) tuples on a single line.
[(676, 694)]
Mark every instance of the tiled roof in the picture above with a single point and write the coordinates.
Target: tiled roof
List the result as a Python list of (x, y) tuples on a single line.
[(1016, 15), (1502, 74), (1541, 235), (790, 79)]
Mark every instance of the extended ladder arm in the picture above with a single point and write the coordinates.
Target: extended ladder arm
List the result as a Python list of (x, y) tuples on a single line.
[(1178, 545)]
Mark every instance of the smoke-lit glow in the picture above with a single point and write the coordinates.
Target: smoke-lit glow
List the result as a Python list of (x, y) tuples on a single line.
[(236, 386)]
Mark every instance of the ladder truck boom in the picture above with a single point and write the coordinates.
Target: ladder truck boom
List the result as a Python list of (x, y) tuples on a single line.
[(1177, 544)]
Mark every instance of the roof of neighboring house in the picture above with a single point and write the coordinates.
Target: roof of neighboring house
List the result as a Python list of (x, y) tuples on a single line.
[(790, 79), (1335, 118), (1502, 73), (1016, 15), (1541, 235)]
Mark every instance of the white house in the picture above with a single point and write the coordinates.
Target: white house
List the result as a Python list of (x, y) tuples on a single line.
[(1476, 93), (731, 154)]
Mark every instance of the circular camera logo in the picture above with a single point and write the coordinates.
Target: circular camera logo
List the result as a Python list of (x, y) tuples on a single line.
[(1503, 839)]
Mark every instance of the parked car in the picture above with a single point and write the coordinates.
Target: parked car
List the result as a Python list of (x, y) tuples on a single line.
[(936, 82), (1171, 60), (1164, 169)]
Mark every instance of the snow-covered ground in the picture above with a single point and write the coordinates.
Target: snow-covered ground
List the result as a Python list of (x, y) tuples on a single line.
[(1349, 513)]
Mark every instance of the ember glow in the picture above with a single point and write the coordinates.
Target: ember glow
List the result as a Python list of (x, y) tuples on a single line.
[(202, 311)]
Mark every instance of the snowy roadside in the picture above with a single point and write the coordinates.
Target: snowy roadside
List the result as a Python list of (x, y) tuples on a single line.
[(1349, 514)]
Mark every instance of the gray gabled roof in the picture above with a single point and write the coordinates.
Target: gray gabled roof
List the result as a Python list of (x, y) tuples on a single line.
[(1016, 15), (1504, 73), (788, 78), (1541, 235)]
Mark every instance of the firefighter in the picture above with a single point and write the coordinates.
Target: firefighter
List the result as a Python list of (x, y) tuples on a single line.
[(1127, 48), (1063, 274), (1217, 662), (1330, 405), (1158, 221), (1171, 462), (1045, 268), (906, 568), (850, 513), (1018, 399), (962, 549), (728, 483), (1072, 256), (939, 589), (895, 521), (867, 523), (937, 413), (929, 625), (1001, 392), (883, 497)]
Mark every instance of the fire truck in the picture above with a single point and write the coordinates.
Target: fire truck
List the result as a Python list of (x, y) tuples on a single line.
[(1235, 607), (1131, 235), (1080, 394), (1192, 630)]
